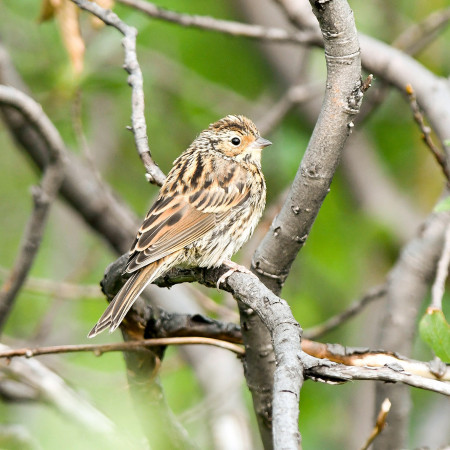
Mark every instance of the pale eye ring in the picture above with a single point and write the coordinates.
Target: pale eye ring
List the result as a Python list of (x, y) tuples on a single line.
[(235, 141)]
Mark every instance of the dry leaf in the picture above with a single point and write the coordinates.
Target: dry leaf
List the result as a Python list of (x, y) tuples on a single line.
[(67, 15)]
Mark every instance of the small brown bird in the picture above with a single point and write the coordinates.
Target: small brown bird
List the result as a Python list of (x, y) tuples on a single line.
[(208, 206)]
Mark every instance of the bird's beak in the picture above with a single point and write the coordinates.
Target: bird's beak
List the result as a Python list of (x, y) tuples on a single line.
[(261, 142)]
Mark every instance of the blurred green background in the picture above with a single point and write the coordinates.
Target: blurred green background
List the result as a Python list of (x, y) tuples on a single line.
[(193, 78)]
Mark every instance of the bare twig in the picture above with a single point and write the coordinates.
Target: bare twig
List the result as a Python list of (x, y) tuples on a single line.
[(439, 156), (99, 349), (135, 80), (318, 330), (438, 288), (43, 195), (270, 34), (380, 423)]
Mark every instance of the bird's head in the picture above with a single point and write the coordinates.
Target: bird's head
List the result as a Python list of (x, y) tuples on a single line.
[(236, 137)]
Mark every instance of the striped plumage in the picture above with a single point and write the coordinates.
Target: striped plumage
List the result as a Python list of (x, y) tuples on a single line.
[(208, 206)]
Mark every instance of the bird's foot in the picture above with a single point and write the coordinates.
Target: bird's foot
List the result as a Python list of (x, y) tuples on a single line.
[(234, 267)]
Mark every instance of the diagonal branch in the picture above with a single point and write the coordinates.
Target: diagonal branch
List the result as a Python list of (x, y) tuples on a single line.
[(312, 182), (135, 80), (438, 155), (43, 195)]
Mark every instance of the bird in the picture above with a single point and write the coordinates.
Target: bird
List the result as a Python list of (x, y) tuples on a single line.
[(207, 208)]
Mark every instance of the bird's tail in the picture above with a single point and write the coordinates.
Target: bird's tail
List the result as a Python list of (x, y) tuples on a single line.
[(123, 301)]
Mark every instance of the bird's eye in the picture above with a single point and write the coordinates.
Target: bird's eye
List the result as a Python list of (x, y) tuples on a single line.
[(235, 141)]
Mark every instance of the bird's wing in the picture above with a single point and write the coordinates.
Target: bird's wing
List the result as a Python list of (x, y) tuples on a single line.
[(182, 215)]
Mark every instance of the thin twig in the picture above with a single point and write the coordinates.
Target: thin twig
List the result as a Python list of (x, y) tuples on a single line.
[(43, 195), (437, 291), (232, 28), (131, 65), (380, 423), (99, 349), (333, 322), (426, 130)]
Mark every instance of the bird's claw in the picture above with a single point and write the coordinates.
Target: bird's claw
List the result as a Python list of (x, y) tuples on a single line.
[(234, 267)]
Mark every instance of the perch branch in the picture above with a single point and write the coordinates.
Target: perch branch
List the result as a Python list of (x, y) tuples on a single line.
[(274, 313)]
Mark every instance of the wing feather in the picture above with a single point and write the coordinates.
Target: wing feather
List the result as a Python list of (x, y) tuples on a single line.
[(171, 225)]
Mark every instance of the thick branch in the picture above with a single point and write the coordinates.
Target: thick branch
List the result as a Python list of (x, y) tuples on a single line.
[(342, 99), (43, 195), (274, 313)]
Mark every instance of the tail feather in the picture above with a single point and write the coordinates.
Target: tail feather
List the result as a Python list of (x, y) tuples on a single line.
[(123, 301)]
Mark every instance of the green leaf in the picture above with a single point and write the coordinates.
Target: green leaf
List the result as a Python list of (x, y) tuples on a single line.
[(443, 205), (435, 331)]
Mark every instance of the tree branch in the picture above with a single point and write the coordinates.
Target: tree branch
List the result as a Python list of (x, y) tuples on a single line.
[(43, 195), (323, 370), (271, 34), (407, 285), (99, 349), (311, 184), (276, 316), (426, 133), (135, 80)]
